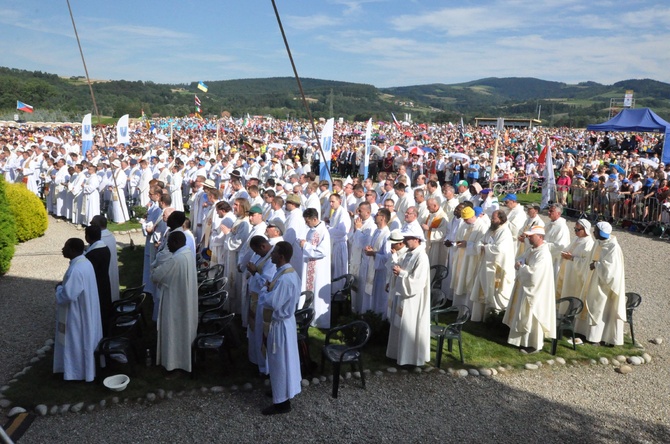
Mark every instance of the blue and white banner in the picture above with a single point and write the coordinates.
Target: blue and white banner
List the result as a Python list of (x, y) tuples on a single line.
[(327, 146), (122, 135), (86, 135), (368, 140)]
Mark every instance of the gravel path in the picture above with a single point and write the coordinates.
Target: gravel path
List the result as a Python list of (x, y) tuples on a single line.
[(553, 404)]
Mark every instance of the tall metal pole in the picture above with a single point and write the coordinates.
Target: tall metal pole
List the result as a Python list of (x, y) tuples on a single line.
[(302, 93), (81, 52)]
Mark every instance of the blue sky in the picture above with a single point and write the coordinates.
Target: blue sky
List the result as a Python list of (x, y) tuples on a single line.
[(380, 42)]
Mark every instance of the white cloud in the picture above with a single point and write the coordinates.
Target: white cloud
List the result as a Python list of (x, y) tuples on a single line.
[(308, 23)]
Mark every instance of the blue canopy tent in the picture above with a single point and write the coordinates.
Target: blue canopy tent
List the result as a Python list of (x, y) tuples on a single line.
[(642, 120)]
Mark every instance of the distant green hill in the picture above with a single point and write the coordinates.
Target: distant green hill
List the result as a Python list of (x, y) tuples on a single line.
[(58, 98)]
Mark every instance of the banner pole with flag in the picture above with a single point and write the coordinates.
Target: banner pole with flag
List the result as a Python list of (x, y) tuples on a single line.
[(368, 141), (23, 107), (549, 185), (86, 135), (326, 149), (122, 135)]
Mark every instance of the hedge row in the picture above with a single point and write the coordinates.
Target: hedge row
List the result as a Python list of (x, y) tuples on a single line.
[(22, 217)]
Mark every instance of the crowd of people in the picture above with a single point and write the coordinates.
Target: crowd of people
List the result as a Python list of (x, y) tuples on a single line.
[(256, 206)]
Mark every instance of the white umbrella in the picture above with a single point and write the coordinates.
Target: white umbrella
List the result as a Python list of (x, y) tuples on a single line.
[(297, 142), (276, 145), (649, 162), (460, 156), (162, 137), (52, 139)]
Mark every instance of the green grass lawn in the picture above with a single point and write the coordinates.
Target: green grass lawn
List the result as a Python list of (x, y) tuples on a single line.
[(124, 226), (484, 346)]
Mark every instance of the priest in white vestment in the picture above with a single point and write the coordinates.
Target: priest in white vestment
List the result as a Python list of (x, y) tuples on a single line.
[(281, 296), (377, 254), (295, 230), (361, 235), (258, 227), (119, 207), (262, 271), (435, 228), (558, 235), (516, 217), (409, 335), (495, 278), (316, 266), (574, 266), (235, 237), (91, 195), (532, 219), (468, 255), (176, 281), (78, 323), (531, 314), (604, 292), (339, 225)]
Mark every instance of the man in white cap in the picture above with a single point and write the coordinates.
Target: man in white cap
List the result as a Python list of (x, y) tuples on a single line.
[(574, 266), (531, 314), (604, 291), (409, 336), (532, 220)]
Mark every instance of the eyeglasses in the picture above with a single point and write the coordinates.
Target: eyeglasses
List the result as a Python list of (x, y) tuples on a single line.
[(579, 229)]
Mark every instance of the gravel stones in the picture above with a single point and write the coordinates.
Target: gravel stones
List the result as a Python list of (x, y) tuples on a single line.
[(657, 341), (625, 369), (15, 411), (530, 366), (41, 410)]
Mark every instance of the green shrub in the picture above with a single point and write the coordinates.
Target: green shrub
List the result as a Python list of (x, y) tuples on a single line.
[(29, 213), (7, 230), (140, 211)]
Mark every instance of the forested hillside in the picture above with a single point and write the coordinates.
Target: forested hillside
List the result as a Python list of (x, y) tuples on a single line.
[(60, 99)]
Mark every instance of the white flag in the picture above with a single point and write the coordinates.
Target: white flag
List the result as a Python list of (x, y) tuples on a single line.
[(122, 135), (86, 134), (327, 146)]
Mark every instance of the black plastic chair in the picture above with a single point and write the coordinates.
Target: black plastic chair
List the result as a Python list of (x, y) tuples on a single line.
[(124, 309), (210, 311), (633, 300), (566, 321), (119, 344), (438, 299), (214, 272), (309, 300), (441, 272), (341, 299), (303, 319), (212, 284), (211, 300), (214, 338), (451, 331), (353, 337)]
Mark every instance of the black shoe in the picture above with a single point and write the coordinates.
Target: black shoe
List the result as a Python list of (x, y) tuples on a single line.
[(277, 409)]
